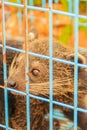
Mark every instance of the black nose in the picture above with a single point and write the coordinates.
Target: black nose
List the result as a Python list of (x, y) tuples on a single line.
[(11, 83)]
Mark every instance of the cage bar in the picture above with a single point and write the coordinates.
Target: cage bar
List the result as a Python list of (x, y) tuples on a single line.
[(51, 63), (4, 66), (27, 64), (76, 6), (50, 10)]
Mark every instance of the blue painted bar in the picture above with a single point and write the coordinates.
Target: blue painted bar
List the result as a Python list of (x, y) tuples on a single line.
[(47, 57), (27, 65), (31, 14), (83, 24), (16, 91), (28, 7), (20, 21), (70, 5), (51, 63), (58, 103), (19, 18), (45, 10), (4, 66), (3, 126), (47, 100), (43, 3), (82, 110), (76, 16), (76, 7), (31, 2), (6, 108), (56, 1)]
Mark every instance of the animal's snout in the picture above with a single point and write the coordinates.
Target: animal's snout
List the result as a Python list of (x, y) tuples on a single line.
[(12, 83)]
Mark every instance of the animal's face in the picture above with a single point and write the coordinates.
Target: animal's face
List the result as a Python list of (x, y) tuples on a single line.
[(63, 74), (38, 67), (38, 72)]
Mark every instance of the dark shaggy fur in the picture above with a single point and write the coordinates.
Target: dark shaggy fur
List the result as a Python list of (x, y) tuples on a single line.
[(9, 57)]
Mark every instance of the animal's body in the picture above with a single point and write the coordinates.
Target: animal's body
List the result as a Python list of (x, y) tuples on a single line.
[(63, 85)]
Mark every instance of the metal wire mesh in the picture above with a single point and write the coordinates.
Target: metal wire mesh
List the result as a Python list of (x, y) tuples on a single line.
[(75, 15)]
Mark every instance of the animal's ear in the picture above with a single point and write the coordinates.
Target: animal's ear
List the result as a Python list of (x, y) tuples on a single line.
[(33, 35), (81, 58)]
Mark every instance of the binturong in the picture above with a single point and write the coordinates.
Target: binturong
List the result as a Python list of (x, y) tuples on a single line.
[(39, 86)]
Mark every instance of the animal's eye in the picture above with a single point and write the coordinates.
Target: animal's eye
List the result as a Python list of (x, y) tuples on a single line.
[(35, 72)]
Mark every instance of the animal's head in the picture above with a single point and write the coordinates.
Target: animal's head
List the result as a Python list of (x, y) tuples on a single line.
[(39, 70), (63, 74)]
